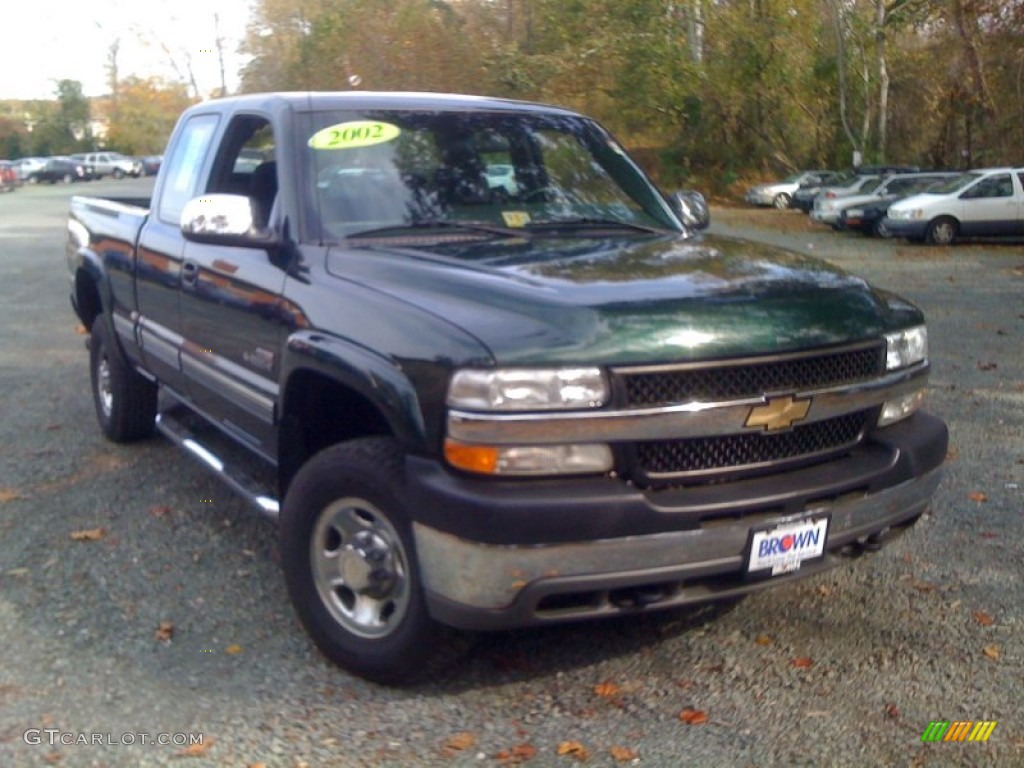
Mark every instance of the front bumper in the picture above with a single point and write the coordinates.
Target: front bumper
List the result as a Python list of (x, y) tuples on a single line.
[(911, 228), (825, 216), (557, 551)]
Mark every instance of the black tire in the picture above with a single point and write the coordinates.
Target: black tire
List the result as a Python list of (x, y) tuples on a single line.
[(118, 173), (346, 510), (880, 229), (781, 201), (125, 401), (942, 231)]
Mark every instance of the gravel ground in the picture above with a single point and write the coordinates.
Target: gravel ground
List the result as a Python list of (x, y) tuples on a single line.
[(175, 620)]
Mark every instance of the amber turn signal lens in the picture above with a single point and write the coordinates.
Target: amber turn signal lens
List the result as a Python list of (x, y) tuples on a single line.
[(482, 459)]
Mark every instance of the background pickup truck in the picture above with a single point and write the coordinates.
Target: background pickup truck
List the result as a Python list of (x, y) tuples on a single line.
[(983, 203), (486, 407)]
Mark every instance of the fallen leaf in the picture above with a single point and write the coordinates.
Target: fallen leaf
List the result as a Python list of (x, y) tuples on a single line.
[(983, 618), (256, 765), (977, 496), (574, 749), (991, 651), (160, 510), (607, 689), (763, 640), (92, 534), (196, 750), (233, 649), (892, 711), (623, 754), (824, 590), (80, 330), (986, 366), (989, 535), (517, 754), (952, 454), (924, 586), (52, 758), (460, 741), (165, 632), (8, 494), (802, 662), (693, 716)]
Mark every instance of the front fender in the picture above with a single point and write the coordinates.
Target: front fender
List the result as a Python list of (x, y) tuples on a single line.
[(377, 379)]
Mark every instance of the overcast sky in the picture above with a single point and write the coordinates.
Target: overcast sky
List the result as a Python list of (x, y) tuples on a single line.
[(47, 40)]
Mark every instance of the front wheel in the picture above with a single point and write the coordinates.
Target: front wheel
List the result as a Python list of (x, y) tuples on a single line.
[(118, 173), (941, 232), (781, 201), (125, 401), (350, 564), (881, 229)]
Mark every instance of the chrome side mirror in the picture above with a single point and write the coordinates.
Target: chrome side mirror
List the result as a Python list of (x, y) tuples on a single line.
[(223, 220)]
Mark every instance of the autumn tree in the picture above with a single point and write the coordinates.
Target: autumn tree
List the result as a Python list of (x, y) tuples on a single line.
[(144, 113)]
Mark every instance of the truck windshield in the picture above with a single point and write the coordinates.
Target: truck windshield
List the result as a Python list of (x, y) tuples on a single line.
[(375, 171)]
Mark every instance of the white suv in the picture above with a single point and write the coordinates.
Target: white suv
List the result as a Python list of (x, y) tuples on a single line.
[(112, 164)]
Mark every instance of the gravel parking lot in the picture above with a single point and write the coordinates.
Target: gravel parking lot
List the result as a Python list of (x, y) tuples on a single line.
[(140, 598)]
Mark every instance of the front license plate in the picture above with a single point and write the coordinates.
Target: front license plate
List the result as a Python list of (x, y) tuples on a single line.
[(783, 548)]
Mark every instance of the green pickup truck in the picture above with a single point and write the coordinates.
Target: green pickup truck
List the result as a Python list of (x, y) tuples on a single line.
[(480, 406)]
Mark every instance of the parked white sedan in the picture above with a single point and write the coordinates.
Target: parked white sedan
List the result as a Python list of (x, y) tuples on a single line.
[(780, 193)]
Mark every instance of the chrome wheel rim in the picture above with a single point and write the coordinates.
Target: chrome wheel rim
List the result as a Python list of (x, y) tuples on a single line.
[(104, 386), (360, 568)]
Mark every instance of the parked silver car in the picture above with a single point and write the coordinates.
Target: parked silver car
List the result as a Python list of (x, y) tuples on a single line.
[(779, 194), (112, 164)]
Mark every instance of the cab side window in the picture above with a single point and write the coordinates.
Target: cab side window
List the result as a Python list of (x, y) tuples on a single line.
[(184, 166), (246, 165)]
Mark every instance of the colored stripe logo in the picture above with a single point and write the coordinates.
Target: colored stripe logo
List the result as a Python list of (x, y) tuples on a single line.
[(958, 730)]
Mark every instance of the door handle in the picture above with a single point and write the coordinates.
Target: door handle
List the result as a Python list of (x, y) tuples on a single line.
[(189, 272)]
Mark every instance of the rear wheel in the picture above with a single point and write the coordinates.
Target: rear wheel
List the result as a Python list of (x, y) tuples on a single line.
[(125, 401), (942, 231), (350, 564), (66, 178), (781, 201), (118, 173)]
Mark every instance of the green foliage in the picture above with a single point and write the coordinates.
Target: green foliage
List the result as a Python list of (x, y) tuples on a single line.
[(709, 90)]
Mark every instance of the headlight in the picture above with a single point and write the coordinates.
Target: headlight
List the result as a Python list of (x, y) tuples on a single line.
[(527, 389), (905, 348)]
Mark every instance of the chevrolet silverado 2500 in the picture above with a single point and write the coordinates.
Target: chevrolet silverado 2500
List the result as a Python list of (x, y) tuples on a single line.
[(479, 407)]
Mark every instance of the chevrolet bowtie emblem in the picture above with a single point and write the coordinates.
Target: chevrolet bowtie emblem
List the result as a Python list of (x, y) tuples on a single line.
[(778, 413)]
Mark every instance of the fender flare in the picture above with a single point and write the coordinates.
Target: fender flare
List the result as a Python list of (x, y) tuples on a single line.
[(376, 378)]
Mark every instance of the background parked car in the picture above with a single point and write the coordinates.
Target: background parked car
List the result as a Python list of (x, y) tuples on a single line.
[(63, 169), (112, 164), (9, 180), (780, 193), (869, 217), (151, 164), (27, 166), (803, 198), (827, 210)]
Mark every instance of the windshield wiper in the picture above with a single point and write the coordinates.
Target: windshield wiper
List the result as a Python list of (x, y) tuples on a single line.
[(444, 224), (593, 222)]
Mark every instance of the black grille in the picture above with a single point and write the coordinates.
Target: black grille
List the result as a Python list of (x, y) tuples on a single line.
[(703, 455), (725, 381)]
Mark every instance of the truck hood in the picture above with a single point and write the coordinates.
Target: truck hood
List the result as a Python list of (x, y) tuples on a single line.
[(627, 300)]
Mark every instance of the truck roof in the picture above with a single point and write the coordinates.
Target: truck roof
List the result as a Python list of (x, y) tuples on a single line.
[(316, 101)]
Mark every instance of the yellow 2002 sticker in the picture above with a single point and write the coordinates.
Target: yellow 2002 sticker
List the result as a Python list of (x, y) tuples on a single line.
[(355, 133)]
